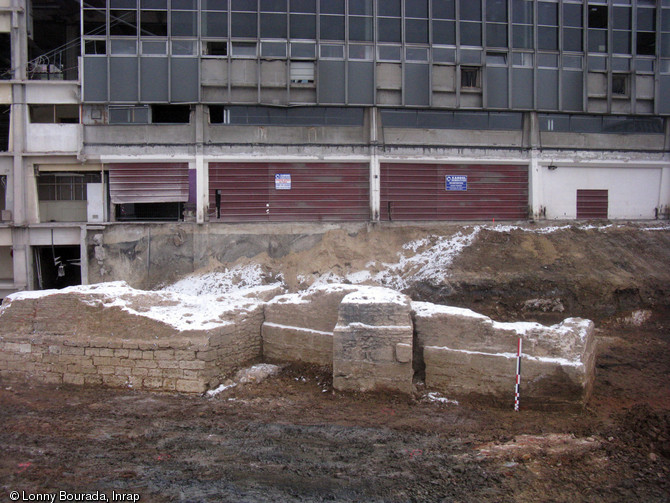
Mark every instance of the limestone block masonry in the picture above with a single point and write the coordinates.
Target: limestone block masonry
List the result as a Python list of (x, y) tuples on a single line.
[(466, 353), (299, 327), (372, 342), (78, 338)]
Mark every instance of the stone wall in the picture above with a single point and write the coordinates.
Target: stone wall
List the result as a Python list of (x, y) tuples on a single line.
[(299, 327), (372, 342), (467, 353), (78, 338)]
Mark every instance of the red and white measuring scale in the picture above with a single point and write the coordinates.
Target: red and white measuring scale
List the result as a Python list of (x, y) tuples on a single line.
[(518, 377)]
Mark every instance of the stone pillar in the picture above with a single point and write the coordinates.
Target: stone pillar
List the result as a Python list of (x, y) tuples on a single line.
[(372, 342)]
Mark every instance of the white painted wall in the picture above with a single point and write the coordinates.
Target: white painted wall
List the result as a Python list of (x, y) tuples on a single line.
[(634, 192), (53, 138), (52, 92)]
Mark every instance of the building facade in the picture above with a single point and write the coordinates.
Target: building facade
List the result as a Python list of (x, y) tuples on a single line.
[(211, 111)]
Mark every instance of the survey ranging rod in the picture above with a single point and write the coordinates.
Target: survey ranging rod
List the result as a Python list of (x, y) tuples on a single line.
[(518, 377)]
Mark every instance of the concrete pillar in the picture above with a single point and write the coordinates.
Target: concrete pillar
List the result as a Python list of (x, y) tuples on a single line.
[(375, 179), (202, 182), (535, 185)]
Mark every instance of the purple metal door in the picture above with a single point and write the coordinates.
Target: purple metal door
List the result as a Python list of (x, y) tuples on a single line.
[(453, 192), (289, 192)]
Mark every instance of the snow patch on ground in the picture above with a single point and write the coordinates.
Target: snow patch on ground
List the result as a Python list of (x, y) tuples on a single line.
[(257, 373), (180, 310), (430, 260), (374, 295), (220, 283), (434, 396), (223, 387)]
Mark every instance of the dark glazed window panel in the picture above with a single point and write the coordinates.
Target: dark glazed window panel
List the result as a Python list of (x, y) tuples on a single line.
[(597, 64), (273, 25), (123, 22), (597, 40), (389, 52), (621, 42), (244, 5), (522, 37), (332, 6), (95, 47), (665, 44), (444, 32), (214, 24), (620, 85), (273, 5), (444, 9), (153, 23), (416, 31), (243, 25), (332, 27), (522, 11), (646, 43), (307, 6), (646, 19), (170, 114), (597, 16), (572, 15), (360, 7), (547, 38), (547, 60), (572, 39), (215, 5), (389, 29), (469, 77), (496, 35), (441, 55), (184, 24), (665, 20), (388, 8), (360, 28), (547, 13), (622, 20), (123, 4), (303, 26), (471, 34), (471, 10), (417, 8), (94, 22), (184, 4), (216, 48), (496, 10)]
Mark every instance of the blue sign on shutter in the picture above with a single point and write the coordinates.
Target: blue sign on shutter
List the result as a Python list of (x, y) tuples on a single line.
[(283, 181), (456, 182)]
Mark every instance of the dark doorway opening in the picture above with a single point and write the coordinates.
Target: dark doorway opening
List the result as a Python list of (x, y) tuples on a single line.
[(57, 267)]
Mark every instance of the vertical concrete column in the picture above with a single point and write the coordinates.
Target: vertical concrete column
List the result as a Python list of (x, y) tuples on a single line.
[(375, 182), (202, 182), (83, 256), (535, 184)]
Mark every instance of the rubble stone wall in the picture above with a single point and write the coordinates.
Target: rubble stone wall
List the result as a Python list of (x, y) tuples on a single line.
[(66, 338)]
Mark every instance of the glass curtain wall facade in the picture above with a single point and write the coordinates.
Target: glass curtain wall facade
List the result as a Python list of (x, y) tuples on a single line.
[(598, 56)]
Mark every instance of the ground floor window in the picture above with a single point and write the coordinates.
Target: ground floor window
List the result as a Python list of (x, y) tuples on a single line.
[(148, 211)]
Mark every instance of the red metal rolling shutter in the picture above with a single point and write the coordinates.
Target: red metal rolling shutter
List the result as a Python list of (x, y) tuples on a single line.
[(592, 203), (318, 192), (417, 192), (148, 182)]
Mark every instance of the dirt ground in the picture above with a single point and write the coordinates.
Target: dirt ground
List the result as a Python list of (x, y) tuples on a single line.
[(291, 438)]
